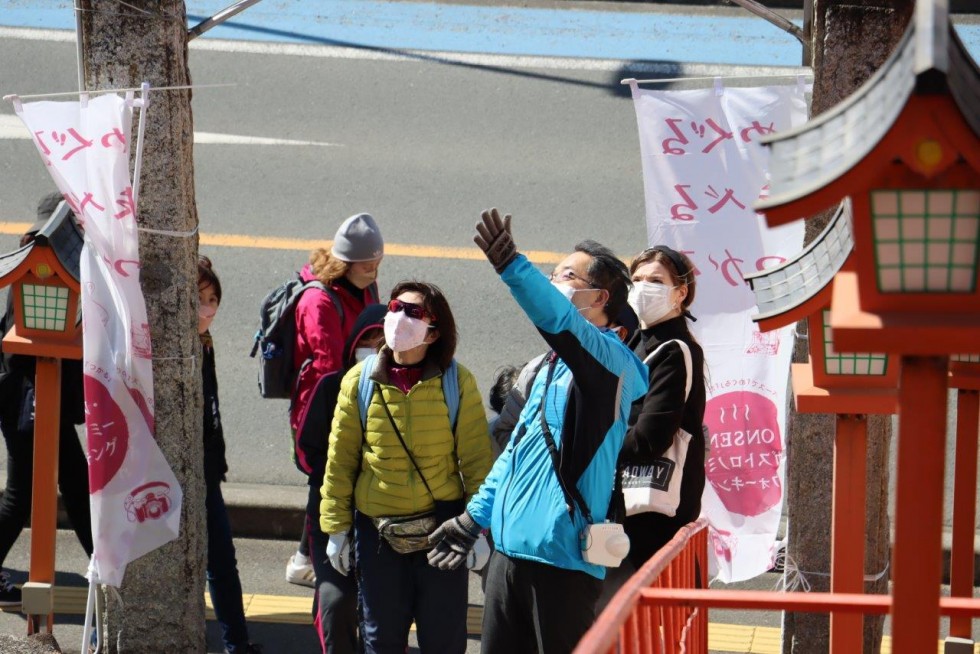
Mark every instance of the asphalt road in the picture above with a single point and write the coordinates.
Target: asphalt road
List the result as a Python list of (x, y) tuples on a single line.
[(422, 143)]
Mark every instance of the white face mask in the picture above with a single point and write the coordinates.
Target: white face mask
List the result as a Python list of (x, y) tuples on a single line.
[(650, 301), (361, 353), (205, 314), (570, 292), (403, 332)]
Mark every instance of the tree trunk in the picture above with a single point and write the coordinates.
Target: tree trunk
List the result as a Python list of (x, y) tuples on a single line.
[(851, 39), (125, 45)]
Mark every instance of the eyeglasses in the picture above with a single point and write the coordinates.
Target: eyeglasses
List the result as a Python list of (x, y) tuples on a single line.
[(568, 275), (411, 310)]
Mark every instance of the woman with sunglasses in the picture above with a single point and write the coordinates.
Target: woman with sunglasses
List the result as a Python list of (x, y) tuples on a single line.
[(325, 318), (663, 290), (402, 468)]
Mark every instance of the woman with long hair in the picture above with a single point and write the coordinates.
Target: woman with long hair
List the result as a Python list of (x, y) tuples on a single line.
[(663, 290), (326, 315)]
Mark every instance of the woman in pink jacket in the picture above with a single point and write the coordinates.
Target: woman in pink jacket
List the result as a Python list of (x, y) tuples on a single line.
[(324, 321)]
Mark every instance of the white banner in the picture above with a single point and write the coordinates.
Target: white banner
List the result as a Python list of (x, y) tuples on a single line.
[(702, 170), (135, 497)]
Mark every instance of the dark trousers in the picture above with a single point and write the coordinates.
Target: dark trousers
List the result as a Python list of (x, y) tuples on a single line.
[(397, 588), (335, 600), (15, 507), (536, 608), (224, 584)]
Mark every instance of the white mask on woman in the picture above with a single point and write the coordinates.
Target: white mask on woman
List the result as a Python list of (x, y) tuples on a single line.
[(650, 301), (205, 314), (403, 332)]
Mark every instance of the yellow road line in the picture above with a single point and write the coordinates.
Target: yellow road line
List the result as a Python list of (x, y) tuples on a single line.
[(305, 245), (282, 609)]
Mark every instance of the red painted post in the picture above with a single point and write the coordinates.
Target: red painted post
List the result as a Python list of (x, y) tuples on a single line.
[(847, 548), (917, 555), (964, 505), (44, 508)]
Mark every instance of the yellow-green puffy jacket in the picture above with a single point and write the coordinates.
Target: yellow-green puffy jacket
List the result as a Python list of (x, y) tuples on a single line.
[(373, 469)]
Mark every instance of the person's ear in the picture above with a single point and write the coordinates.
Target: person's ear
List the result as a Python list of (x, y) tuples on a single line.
[(431, 337), (681, 294), (601, 299)]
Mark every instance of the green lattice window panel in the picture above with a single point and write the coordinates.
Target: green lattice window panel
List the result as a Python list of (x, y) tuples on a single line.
[(45, 307), (846, 363), (926, 241)]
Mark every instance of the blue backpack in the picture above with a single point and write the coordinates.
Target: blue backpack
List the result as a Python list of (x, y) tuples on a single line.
[(450, 389)]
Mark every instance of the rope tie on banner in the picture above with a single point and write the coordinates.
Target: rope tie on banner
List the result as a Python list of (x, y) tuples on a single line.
[(167, 232), (794, 579), (801, 79)]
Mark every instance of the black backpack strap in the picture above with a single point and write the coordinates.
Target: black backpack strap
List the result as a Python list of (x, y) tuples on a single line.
[(401, 440), (316, 283), (572, 495)]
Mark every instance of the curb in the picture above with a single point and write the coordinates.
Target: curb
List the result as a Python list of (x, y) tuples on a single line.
[(266, 511)]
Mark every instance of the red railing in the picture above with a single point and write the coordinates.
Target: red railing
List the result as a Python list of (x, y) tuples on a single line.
[(632, 625)]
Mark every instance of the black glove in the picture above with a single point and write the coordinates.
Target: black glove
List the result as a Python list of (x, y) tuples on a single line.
[(453, 540), (496, 241)]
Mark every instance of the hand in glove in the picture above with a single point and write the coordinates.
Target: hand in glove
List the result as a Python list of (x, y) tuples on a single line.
[(494, 238), (452, 542), (338, 552)]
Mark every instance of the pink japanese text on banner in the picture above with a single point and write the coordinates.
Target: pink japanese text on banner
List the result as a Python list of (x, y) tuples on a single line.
[(703, 168), (135, 497)]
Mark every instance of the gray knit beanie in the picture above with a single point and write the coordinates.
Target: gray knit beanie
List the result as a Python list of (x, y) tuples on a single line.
[(358, 239)]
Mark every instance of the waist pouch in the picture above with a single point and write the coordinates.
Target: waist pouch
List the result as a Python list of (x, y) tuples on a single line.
[(410, 533)]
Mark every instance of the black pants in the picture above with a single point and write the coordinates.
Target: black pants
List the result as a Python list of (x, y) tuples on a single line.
[(536, 608), (335, 601), (397, 588), (15, 507)]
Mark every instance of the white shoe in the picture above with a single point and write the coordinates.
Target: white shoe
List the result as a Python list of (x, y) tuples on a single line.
[(299, 571)]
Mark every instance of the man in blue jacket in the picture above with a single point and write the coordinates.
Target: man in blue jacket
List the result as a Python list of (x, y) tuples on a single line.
[(556, 475)]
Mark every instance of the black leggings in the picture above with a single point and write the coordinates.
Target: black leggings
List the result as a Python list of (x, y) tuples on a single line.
[(15, 507), (335, 601)]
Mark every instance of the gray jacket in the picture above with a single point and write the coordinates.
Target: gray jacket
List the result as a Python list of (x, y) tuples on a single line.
[(503, 425)]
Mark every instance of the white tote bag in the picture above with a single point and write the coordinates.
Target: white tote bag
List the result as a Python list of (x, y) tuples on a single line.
[(656, 487)]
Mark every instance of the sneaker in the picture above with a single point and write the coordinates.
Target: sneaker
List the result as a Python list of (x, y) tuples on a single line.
[(9, 594), (299, 571)]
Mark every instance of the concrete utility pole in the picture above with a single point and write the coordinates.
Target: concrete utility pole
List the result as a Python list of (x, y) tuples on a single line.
[(125, 44), (850, 40)]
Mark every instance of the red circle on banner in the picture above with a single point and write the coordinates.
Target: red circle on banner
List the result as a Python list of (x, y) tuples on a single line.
[(746, 449), (107, 434)]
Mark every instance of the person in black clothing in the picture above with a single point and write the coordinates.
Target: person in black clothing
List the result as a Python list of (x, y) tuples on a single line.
[(335, 614), (663, 289), (17, 424), (224, 584)]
